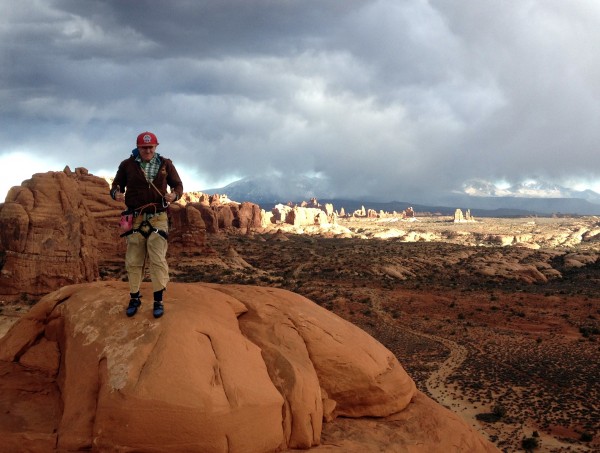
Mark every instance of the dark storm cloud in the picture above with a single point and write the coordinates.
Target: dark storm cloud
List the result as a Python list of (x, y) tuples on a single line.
[(541, 57), (385, 98), (212, 29)]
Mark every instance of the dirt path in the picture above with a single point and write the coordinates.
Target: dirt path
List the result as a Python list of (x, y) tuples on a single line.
[(436, 383), (452, 397)]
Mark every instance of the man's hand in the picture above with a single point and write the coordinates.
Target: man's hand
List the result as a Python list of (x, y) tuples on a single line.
[(170, 197), (119, 196)]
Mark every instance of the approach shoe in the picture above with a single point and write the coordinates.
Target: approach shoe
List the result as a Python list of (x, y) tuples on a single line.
[(133, 306), (159, 309)]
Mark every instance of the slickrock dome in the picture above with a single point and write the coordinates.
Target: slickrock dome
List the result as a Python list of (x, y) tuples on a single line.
[(227, 369)]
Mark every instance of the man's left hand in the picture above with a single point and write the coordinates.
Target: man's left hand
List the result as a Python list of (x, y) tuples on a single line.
[(170, 197)]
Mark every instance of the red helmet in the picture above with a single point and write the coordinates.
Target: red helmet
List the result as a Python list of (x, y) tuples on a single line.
[(147, 138)]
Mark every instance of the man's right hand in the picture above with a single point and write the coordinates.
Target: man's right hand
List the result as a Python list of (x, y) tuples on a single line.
[(117, 195)]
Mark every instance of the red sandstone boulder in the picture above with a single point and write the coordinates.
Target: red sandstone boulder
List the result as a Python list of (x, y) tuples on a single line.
[(187, 228), (220, 213), (52, 231), (224, 216), (247, 216), (227, 369)]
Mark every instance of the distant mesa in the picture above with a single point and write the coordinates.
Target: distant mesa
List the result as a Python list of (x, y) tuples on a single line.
[(230, 368)]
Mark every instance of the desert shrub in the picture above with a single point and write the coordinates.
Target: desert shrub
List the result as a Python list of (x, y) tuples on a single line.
[(487, 417), (586, 437), (26, 299), (588, 331), (530, 443), (499, 410), (497, 414)]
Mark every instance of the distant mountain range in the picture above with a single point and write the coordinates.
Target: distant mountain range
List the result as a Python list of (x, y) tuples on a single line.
[(484, 199), (273, 189)]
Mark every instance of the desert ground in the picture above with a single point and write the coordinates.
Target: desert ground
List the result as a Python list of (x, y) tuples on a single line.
[(497, 319)]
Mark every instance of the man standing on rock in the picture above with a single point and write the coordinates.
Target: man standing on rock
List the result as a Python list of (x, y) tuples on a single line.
[(141, 181)]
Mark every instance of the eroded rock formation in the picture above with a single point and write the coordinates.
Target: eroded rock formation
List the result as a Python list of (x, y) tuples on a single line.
[(460, 217), (303, 215), (408, 213), (54, 229), (228, 369)]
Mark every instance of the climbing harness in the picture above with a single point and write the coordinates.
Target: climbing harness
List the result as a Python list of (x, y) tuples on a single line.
[(145, 228)]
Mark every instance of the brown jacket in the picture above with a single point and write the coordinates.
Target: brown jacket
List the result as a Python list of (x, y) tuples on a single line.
[(140, 192)]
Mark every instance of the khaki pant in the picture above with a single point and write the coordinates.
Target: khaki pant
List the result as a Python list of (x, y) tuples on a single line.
[(152, 249)]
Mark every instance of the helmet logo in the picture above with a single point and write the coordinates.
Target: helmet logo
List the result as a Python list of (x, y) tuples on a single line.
[(147, 139)]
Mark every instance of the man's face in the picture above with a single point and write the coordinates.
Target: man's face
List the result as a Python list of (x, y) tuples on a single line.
[(147, 152)]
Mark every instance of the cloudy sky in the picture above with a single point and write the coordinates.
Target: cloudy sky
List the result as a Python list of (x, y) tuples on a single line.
[(387, 98)]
